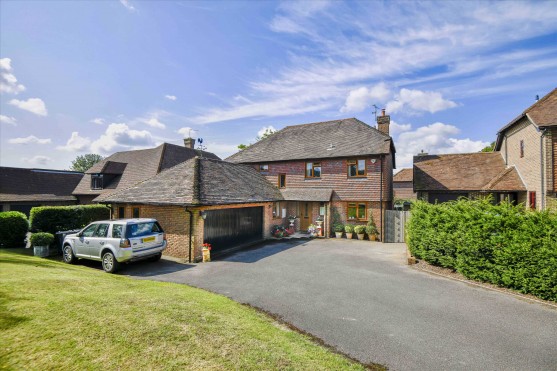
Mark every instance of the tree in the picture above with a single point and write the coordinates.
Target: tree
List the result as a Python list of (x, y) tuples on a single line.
[(489, 148), (268, 132), (85, 162)]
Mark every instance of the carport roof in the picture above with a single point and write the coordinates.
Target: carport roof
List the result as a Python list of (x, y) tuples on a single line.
[(199, 181), (307, 194)]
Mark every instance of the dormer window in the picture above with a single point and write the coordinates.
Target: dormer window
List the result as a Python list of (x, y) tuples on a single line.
[(96, 181), (263, 168)]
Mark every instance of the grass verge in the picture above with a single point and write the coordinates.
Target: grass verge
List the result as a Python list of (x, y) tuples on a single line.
[(59, 316)]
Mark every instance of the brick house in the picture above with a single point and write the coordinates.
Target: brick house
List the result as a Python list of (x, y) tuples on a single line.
[(22, 189), (202, 200), (529, 143), (342, 164), (403, 187), (125, 169)]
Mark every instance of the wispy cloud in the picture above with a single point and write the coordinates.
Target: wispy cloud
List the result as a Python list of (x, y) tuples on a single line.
[(37, 160), (128, 5), (98, 121), (31, 139), (8, 120), (8, 81), (33, 105), (171, 97)]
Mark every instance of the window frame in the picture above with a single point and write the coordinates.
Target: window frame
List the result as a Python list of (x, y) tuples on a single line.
[(521, 144), (282, 180), (313, 166), (121, 212), (138, 213), (276, 210), (263, 168), (355, 162), (356, 205), (95, 180)]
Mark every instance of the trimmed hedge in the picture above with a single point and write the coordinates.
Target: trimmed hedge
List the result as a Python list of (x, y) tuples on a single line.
[(502, 244), (13, 228), (53, 219), (41, 239)]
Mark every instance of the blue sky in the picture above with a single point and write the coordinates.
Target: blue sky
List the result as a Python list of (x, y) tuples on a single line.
[(104, 76)]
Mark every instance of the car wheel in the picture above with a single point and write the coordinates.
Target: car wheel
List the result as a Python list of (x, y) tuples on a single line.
[(67, 254), (109, 262), (155, 258)]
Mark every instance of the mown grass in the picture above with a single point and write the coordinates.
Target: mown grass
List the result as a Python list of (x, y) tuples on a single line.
[(59, 316)]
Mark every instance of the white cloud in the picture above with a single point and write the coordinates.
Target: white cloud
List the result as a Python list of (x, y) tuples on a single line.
[(395, 128), (31, 139), (155, 123), (8, 120), (98, 121), (8, 81), (436, 138), (362, 98), (33, 105), (37, 160), (76, 143), (264, 129), (170, 97), (128, 5), (418, 100), (119, 136), (186, 132), (222, 150)]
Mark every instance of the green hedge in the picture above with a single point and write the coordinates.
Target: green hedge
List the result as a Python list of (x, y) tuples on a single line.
[(41, 239), (13, 228), (501, 244), (53, 219)]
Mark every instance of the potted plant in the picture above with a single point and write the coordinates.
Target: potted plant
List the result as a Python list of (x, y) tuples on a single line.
[(359, 229), (349, 229), (40, 242), (291, 220), (206, 252), (371, 228), (312, 230), (339, 229)]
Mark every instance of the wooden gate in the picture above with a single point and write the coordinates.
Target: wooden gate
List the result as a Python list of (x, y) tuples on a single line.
[(395, 222)]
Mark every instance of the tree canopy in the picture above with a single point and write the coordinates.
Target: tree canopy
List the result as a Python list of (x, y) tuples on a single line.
[(266, 134), (85, 162)]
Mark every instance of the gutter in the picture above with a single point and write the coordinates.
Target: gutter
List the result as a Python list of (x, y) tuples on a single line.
[(381, 197), (190, 233), (542, 167)]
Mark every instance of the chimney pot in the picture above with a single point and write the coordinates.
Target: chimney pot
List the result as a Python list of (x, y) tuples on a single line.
[(189, 143), (383, 122), (383, 112)]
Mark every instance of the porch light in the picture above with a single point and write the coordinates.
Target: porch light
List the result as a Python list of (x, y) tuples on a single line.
[(203, 214)]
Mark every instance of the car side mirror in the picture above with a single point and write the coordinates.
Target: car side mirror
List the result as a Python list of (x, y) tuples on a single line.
[(79, 234)]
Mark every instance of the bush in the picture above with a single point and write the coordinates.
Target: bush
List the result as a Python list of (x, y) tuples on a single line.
[(349, 228), (41, 239), (13, 228), (371, 230), (338, 227), (359, 229), (53, 219), (502, 244)]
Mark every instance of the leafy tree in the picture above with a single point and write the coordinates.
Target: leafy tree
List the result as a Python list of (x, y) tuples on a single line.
[(489, 148), (242, 146), (268, 132), (85, 162)]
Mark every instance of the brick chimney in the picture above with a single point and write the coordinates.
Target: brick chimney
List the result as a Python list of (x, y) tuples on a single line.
[(189, 143), (383, 122)]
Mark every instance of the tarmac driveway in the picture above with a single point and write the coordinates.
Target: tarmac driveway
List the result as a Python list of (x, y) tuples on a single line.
[(362, 299)]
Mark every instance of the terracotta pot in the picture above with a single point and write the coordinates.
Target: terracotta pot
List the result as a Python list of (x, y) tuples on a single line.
[(361, 236), (349, 235), (372, 237), (206, 255), (338, 234)]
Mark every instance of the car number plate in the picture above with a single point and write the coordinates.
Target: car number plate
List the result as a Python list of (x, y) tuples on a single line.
[(148, 239)]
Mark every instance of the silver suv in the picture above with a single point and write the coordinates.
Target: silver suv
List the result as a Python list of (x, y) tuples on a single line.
[(116, 241)]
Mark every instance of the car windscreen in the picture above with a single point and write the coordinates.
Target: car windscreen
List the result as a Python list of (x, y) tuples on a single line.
[(142, 229)]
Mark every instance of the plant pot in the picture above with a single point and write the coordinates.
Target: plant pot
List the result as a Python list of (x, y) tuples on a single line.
[(361, 236), (41, 251), (206, 255), (372, 237), (349, 235), (338, 234)]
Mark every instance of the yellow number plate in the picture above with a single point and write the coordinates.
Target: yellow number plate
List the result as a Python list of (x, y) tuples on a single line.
[(148, 239)]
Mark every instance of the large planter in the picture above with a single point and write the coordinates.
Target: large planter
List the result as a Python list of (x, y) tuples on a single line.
[(361, 236), (372, 237), (338, 234), (41, 251), (206, 255), (349, 235)]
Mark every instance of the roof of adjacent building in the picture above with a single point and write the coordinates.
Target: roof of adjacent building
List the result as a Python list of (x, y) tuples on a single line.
[(24, 185), (482, 171), (329, 139), (132, 167), (307, 194), (199, 181), (404, 175)]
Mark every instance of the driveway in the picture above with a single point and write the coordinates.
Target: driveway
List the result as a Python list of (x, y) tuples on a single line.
[(362, 299)]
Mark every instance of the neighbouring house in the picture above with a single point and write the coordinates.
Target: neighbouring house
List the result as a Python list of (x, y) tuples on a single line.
[(442, 178), (345, 164), (22, 189), (125, 169), (529, 143), (403, 187), (202, 200)]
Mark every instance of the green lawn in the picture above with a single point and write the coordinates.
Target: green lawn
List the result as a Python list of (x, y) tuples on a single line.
[(59, 316)]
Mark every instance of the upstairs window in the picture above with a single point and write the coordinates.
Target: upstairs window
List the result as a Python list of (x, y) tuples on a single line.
[(282, 180), (96, 181), (313, 169), (356, 211), (356, 168), (263, 168), (521, 148)]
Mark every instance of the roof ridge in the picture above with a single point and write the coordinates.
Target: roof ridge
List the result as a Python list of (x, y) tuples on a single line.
[(496, 179)]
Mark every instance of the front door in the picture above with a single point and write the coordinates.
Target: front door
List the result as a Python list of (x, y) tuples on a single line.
[(305, 216)]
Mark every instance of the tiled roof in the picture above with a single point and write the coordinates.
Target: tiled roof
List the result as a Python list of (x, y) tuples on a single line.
[(199, 181), (136, 166), (543, 113), (329, 139), (404, 175), (307, 194), (20, 185), (482, 171)]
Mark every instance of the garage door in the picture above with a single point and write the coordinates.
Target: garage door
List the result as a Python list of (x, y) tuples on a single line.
[(229, 228)]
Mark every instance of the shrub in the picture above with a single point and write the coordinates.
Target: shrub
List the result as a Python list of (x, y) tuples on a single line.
[(13, 228), (41, 239), (371, 230), (359, 229), (60, 218), (338, 227), (349, 228), (502, 244)]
